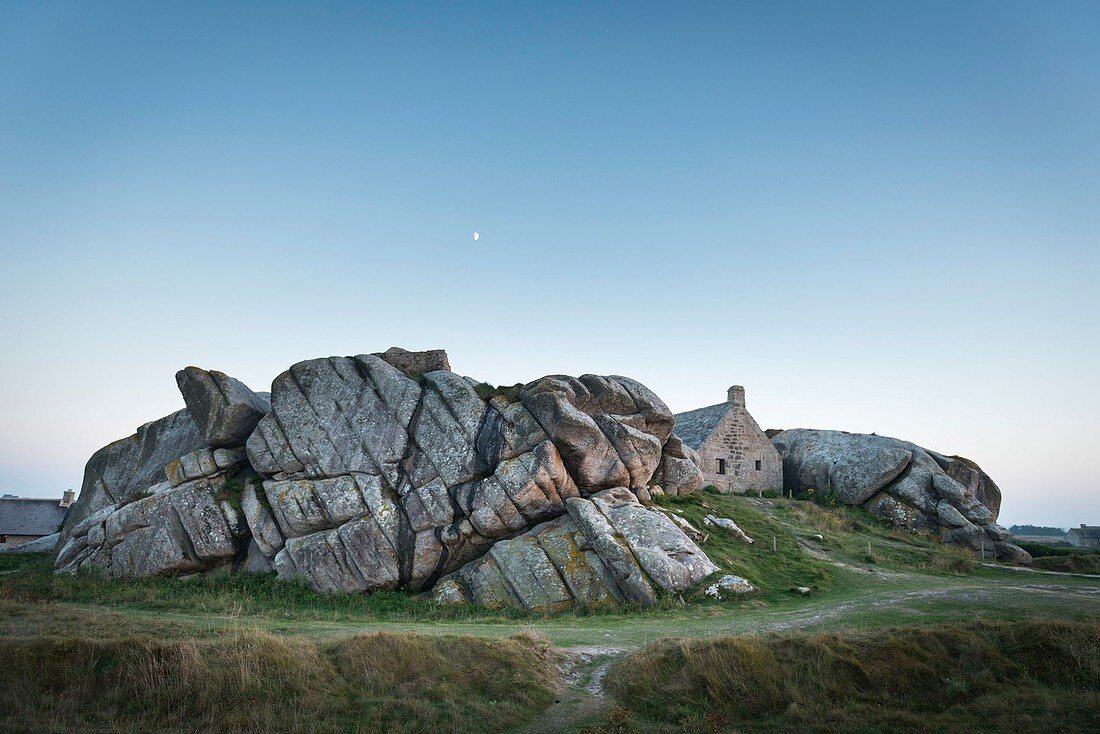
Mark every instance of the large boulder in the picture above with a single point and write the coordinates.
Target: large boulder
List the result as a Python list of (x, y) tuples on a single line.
[(194, 526), (376, 472), (910, 487), (225, 410), (608, 549), (609, 430), (679, 472), (852, 467), (430, 472), (129, 466), (416, 363)]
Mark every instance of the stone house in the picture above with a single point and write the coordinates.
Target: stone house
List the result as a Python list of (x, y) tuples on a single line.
[(1086, 536), (23, 519), (737, 456)]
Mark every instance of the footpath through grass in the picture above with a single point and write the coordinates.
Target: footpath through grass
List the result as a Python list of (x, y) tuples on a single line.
[(858, 570), (786, 555)]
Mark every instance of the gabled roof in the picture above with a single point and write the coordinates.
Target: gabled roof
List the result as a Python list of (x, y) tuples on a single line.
[(694, 426), (1089, 531), (19, 516)]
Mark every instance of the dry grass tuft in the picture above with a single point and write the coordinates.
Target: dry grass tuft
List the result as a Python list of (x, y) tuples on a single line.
[(952, 559), (823, 519), (975, 677), (256, 682)]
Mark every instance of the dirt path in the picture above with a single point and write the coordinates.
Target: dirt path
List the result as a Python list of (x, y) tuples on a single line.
[(582, 700), (583, 668), (880, 599)]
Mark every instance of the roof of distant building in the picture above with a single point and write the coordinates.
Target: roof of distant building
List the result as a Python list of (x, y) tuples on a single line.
[(1088, 531), (21, 516), (694, 426)]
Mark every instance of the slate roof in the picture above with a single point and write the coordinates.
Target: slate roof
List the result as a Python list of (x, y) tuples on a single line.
[(1089, 531), (19, 516), (694, 426)]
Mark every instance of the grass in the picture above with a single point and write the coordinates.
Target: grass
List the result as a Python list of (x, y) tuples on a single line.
[(485, 391), (250, 653), (973, 676), (1064, 558), (949, 559), (853, 535), (30, 578), (1040, 550), (774, 572), (254, 682), (1070, 563), (774, 563), (797, 544)]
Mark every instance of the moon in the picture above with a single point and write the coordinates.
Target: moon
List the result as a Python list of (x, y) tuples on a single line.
[(476, 236)]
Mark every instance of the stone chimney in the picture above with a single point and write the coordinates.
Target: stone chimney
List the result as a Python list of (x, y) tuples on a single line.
[(736, 396), (68, 498)]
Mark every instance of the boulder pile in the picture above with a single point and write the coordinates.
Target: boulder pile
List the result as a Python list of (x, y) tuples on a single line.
[(389, 471), (948, 497)]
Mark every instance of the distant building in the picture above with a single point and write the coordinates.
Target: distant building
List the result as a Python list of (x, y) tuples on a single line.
[(737, 456), (23, 519), (1086, 536)]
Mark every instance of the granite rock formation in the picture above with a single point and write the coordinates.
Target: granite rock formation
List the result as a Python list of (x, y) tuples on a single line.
[(947, 497), (607, 549), (389, 471)]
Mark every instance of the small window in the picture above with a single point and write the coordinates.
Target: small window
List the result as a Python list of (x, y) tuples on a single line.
[(721, 466), (759, 464)]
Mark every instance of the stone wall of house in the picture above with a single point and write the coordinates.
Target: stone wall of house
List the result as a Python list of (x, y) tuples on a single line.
[(1086, 536), (739, 440), (17, 539)]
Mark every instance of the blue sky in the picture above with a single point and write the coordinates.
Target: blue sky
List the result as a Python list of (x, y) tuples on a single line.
[(876, 216)]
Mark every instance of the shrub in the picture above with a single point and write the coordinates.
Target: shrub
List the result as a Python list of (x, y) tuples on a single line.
[(952, 559), (825, 519), (1070, 563), (1040, 550), (485, 391)]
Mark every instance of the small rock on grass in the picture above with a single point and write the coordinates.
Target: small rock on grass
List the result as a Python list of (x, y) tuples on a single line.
[(729, 525), (729, 586)]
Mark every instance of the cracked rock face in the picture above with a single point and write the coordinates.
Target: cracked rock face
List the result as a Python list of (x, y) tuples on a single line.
[(948, 497), (373, 472), (129, 466), (608, 549)]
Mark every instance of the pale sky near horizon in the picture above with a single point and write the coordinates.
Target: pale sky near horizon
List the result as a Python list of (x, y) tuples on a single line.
[(877, 216)]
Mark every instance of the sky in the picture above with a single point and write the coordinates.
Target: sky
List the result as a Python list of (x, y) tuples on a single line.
[(877, 216)]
